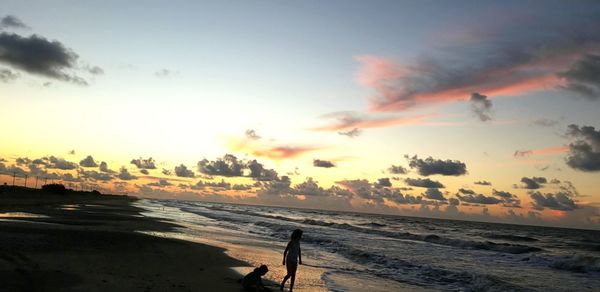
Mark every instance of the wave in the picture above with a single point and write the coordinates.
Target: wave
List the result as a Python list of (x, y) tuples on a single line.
[(577, 263), (508, 237), (431, 238)]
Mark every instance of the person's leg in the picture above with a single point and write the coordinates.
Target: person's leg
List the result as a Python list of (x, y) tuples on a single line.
[(293, 276), (283, 282)]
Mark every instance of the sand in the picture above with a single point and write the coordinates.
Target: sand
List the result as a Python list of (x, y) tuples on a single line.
[(89, 242)]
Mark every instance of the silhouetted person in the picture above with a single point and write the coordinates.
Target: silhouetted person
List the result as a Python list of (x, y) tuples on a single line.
[(253, 281), (292, 256)]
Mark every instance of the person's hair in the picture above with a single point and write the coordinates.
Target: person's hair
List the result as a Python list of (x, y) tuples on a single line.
[(297, 234), (262, 269)]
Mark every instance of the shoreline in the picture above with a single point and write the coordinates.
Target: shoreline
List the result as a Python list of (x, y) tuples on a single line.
[(84, 241)]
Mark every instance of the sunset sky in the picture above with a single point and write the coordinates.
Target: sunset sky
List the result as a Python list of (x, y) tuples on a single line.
[(473, 110)]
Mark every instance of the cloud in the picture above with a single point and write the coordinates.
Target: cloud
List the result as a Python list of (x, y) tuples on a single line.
[(11, 21), (95, 70), (125, 175), (466, 191), (349, 120), (559, 201), (102, 176), (252, 135), (547, 123), (542, 151), (430, 166), (384, 182), (144, 171), (584, 152), (7, 75), (423, 183), (582, 78), (496, 59), (397, 169), (534, 182), (166, 171), (59, 163), (183, 171), (351, 133), (215, 186), (88, 162), (481, 106), (434, 194), (160, 183), (310, 188), (508, 199), (284, 152), (163, 73), (229, 165), (483, 183), (103, 167), (144, 163), (478, 199), (259, 172), (323, 163), (37, 55)]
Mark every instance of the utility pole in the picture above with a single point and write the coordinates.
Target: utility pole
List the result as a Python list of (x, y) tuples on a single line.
[(25, 180), (14, 175), (45, 180), (36, 180)]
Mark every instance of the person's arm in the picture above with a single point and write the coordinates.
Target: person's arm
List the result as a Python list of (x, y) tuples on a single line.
[(286, 251), (299, 255)]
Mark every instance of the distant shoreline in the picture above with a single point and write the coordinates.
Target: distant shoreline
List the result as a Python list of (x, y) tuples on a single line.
[(86, 241)]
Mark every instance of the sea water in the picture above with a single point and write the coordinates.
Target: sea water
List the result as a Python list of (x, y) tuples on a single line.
[(344, 251)]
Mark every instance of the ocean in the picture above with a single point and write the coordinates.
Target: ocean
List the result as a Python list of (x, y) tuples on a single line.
[(344, 251)]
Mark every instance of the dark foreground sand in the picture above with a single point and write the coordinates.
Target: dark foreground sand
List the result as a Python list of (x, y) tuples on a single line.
[(88, 242)]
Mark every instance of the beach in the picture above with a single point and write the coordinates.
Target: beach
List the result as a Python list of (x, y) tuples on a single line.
[(82, 241)]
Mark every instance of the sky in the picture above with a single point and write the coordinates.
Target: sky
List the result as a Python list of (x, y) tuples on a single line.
[(470, 110)]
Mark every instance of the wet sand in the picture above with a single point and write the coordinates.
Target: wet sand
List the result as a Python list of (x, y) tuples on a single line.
[(90, 242)]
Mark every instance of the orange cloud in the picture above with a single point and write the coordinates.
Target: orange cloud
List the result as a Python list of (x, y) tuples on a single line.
[(542, 151), (353, 120), (275, 152)]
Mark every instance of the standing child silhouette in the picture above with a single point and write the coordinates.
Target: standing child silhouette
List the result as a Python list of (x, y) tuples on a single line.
[(292, 256)]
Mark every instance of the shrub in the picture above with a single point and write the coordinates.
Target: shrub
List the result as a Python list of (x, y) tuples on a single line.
[(54, 188)]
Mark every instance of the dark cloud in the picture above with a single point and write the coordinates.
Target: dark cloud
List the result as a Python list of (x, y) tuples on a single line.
[(95, 70), (582, 78), (434, 194), (166, 171), (423, 183), (88, 162), (508, 199), (252, 135), (22, 161), (102, 176), (496, 59), (125, 175), (72, 152), (144, 171), (160, 183), (481, 106), (215, 186), (483, 183), (37, 55), (351, 133), (59, 163), (259, 172), (240, 187), (533, 183), (522, 153), (144, 163), (430, 166), (310, 188), (229, 165), (384, 182), (11, 21), (584, 152), (466, 191), (453, 202), (397, 169), (323, 163), (104, 167), (559, 201), (478, 199), (7, 75), (183, 171)]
